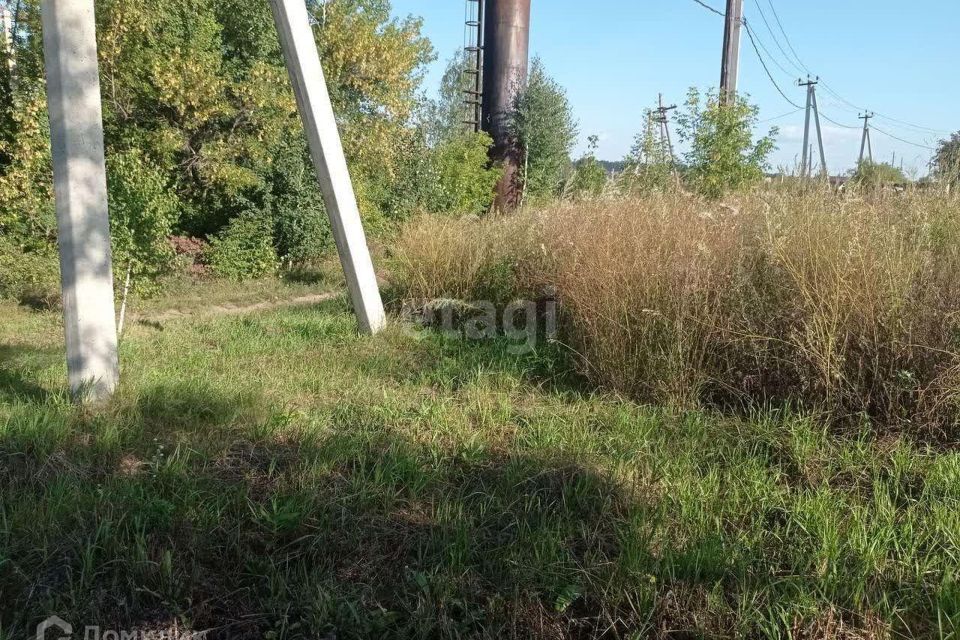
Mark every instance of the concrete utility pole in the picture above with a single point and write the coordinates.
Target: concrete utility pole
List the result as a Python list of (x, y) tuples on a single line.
[(866, 145), (730, 67), (313, 101), (806, 167), (506, 53), (80, 188), (663, 119)]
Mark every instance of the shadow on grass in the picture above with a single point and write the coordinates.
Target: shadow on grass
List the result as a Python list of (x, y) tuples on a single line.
[(449, 361), (194, 515), (17, 366), (208, 512), (190, 504)]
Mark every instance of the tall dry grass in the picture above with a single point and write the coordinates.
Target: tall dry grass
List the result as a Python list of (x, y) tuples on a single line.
[(837, 303)]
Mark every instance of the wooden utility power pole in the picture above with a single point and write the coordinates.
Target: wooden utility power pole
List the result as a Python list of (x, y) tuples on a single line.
[(806, 167), (730, 67), (866, 145)]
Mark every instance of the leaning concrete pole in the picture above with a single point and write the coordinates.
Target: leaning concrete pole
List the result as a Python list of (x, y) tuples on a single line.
[(313, 101), (506, 53), (80, 188)]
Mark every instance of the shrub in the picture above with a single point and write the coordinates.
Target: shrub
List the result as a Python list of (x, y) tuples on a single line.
[(723, 155), (302, 230), (589, 175), (143, 212), (463, 180), (649, 167), (244, 250), (29, 277), (873, 175)]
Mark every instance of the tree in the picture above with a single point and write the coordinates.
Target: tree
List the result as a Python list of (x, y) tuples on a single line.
[(446, 117), (542, 122), (649, 165), (590, 177), (198, 92), (448, 168), (946, 162), (723, 156)]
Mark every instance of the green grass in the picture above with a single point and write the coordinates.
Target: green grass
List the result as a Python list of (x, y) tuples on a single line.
[(277, 475)]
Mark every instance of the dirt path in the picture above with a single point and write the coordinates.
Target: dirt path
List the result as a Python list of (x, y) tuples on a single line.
[(232, 310)]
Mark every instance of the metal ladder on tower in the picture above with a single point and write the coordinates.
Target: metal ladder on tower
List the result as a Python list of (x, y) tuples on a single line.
[(473, 71)]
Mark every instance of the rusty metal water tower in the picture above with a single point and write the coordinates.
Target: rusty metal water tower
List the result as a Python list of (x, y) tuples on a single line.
[(499, 48)]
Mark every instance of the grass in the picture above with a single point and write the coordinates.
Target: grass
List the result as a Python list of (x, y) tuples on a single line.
[(275, 475), (840, 304)]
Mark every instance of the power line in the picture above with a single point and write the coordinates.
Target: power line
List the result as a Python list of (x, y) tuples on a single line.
[(753, 41), (780, 117), (786, 37), (709, 8), (776, 41), (834, 122), (878, 130), (756, 48), (915, 144), (773, 58), (830, 89)]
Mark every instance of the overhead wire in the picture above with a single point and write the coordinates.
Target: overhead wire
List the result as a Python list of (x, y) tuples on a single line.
[(776, 40), (709, 8), (763, 63), (758, 45), (890, 135), (781, 116), (831, 90), (772, 57)]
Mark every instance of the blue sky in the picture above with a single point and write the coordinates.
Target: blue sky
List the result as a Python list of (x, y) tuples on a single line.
[(614, 56)]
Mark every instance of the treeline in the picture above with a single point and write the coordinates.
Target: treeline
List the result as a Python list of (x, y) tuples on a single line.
[(203, 138), (205, 147), (206, 153)]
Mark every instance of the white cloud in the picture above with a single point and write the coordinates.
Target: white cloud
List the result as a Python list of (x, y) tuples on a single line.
[(831, 134)]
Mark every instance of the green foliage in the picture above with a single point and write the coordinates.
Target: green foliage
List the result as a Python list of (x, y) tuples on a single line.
[(589, 175), (28, 276), (542, 122), (244, 250), (197, 95), (27, 215), (877, 174), (649, 166), (946, 162), (463, 180), (723, 156), (447, 116), (414, 486), (143, 210), (302, 230)]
